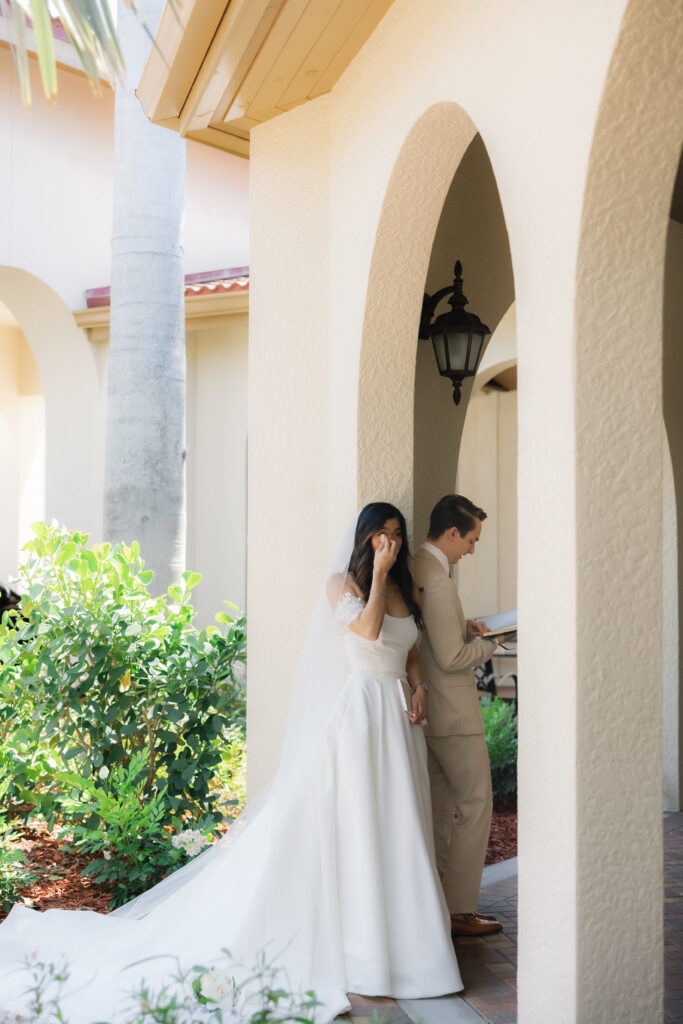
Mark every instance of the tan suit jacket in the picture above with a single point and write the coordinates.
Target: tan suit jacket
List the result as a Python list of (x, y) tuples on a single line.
[(447, 659)]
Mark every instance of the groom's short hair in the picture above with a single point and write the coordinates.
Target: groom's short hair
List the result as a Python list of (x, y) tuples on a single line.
[(454, 510)]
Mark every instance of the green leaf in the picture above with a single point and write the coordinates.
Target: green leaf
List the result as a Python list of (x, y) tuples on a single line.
[(42, 30), (91, 560), (192, 579)]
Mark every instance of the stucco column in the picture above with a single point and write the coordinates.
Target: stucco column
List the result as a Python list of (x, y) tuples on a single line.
[(602, 882), (288, 428)]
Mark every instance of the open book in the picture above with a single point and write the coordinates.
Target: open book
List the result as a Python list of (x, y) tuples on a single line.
[(501, 625)]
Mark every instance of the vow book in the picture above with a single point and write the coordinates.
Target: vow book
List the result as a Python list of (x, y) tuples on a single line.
[(502, 624)]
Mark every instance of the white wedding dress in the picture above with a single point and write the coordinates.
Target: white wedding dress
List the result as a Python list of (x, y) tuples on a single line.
[(334, 878)]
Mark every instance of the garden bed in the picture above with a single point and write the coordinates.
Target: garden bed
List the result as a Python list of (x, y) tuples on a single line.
[(60, 884)]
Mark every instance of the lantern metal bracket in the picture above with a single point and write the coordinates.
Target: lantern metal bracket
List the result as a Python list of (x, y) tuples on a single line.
[(429, 304), (460, 321)]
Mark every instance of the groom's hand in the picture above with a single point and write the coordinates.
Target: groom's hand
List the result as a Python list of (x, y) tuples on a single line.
[(475, 629)]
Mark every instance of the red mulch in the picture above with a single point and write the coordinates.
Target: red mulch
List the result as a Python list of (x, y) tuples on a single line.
[(503, 838), (61, 886)]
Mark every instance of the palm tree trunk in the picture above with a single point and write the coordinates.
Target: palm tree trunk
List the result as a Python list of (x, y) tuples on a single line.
[(144, 490)]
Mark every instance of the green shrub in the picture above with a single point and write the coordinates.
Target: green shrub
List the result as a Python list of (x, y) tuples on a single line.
[(114, 819), (500, 730), (13, 873), (95, 670)]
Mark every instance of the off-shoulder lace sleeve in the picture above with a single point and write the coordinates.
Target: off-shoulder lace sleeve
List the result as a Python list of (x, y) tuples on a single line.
[(349, 607)]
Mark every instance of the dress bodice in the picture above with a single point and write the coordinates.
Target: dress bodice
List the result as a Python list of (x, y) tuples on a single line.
[(387, 654)]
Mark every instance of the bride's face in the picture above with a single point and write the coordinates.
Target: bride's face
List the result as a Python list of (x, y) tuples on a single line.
[(392, 531)]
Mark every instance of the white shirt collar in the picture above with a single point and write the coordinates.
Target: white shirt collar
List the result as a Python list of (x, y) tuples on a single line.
[(438, 553)]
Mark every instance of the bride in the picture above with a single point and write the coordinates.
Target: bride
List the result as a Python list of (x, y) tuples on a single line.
[(330, 871)]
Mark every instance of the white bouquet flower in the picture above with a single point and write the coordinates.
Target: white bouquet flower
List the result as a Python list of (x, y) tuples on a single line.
[(190, 841), (220, 987)]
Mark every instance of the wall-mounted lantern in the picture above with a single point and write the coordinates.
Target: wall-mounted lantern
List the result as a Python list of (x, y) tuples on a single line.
[(457, 336)]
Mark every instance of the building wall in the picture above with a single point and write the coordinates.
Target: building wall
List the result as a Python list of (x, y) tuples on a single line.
[(54, 244), (217, 464), (74, 137), (572, 156)]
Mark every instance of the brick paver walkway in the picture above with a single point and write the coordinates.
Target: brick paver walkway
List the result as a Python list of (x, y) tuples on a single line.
[(673, 918), (488, 966)]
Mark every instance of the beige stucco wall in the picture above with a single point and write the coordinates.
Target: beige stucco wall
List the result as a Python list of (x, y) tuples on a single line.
[(216, 436), (293, 379), (584, 165), (54, 245), (487, 473), (672, 576)]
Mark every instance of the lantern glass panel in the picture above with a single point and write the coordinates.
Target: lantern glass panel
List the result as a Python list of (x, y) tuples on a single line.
[(439, 343), (475, 350), (457, 349)]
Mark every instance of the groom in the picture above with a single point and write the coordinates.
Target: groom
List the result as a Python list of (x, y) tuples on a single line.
[(459, 771)]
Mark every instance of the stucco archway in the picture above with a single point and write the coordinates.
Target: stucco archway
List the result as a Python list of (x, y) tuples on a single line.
[(398, 270), (71, 386), (613, 873)]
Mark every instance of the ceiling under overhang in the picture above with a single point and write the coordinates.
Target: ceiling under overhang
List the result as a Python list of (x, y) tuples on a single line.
[(220, 67)]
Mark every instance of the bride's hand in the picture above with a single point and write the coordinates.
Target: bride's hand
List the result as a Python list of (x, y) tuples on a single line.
[(385, 553), (419, 706)]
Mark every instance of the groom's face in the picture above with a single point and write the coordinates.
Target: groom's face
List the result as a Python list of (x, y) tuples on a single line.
[(463, 545)]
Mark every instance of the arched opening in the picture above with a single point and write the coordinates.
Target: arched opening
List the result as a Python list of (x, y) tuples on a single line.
[(22, 442), (399, 268), (409, 430), (471, 228), (52, 414)]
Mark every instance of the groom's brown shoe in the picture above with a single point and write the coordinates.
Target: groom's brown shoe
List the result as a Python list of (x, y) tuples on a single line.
[(474, 924)]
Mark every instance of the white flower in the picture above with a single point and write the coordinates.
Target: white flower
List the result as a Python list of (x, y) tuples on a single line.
[(107, 854), (190, 842), (218, 986), (103, 772)]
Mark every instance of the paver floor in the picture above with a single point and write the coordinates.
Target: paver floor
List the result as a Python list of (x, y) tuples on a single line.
[(489, 965), (673, 918)]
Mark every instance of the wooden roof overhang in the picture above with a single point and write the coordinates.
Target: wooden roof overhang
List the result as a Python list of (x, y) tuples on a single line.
[(220, 67)]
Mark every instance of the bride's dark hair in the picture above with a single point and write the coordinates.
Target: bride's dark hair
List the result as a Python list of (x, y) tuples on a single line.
[(371, 519)]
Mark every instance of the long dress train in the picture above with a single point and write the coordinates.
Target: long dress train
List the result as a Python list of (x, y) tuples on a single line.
[(335, 879)]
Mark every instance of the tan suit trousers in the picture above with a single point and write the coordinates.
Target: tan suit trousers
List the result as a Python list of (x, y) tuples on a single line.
[(460, 779)]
